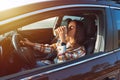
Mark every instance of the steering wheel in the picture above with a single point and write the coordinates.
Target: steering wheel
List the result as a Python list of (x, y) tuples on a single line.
[(24, 53)]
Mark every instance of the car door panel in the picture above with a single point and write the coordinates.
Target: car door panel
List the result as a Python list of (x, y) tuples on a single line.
[(39, 35), (89, 70), (99, 67), (116, 20)]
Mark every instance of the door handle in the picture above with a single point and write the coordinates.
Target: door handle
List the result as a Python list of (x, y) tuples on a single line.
[(112, 78), (100, 67)]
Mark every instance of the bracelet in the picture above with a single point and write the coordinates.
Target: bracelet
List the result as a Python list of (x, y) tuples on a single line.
[(63, 44), (37, 47)]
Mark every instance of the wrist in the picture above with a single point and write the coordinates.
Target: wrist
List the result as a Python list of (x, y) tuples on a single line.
[(32, 44), (64, 41)]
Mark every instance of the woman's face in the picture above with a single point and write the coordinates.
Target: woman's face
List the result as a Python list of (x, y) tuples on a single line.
[(71, 29)]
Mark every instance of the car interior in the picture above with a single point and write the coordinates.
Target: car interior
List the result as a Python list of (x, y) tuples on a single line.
[(40, 32)]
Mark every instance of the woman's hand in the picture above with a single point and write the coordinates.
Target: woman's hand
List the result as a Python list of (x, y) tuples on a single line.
[(27, 42), (61, 32)]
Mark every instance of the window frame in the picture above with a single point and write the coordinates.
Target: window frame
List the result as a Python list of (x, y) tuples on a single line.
[(115, 29), (31, 20)]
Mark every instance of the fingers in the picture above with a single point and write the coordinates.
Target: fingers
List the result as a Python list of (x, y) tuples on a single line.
[(22, 42), (61, 33), (25, 41), (61, 29)]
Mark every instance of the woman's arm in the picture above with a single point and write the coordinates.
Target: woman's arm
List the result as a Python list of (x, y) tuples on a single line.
[(74, 54), (44, 48)]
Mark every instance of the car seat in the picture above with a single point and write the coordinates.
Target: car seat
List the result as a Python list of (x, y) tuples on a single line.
[(91, 31)]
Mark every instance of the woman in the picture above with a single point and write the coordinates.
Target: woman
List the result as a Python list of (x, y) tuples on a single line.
[(69, 45)]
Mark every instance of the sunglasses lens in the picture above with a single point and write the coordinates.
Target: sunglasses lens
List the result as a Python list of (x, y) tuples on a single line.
[(70, 28)]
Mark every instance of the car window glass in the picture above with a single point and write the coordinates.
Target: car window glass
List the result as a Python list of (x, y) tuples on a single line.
[(70, 17), (117, 17), (47, 23)]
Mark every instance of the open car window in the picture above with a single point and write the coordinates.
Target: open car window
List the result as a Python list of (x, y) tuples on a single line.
[(46, 23), (42, 31)]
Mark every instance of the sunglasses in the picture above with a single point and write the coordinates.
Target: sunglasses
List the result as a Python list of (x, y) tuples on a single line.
[(70, 28)]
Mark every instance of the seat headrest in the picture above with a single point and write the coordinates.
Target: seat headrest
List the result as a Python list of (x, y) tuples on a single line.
[(90, 26)]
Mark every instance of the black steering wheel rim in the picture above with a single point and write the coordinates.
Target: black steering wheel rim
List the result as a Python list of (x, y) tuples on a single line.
[(24, 53)]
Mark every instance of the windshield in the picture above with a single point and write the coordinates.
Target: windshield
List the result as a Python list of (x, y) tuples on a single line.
[(7, 4)]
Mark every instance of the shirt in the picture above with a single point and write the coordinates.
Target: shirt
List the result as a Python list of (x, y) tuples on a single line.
[(63, 52)]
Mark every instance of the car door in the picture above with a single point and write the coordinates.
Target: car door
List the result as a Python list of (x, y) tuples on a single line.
[(111, 73), (116, 21), (100, 65)]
